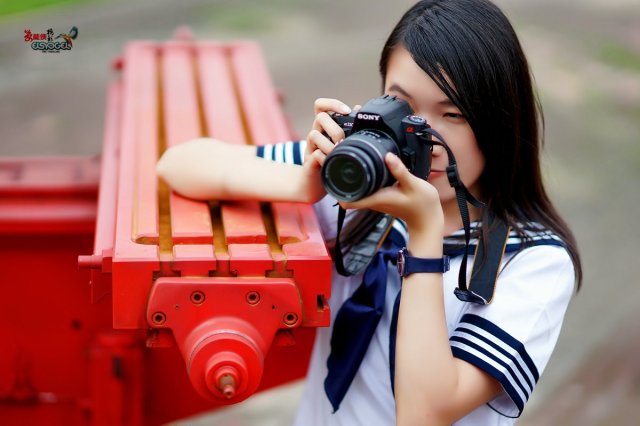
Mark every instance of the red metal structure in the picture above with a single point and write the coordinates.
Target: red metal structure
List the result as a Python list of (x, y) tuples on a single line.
[(195, 304)]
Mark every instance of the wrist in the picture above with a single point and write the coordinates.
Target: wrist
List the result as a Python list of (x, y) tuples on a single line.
[(299, 180), (426, 242), (427, 223), (425, 250)]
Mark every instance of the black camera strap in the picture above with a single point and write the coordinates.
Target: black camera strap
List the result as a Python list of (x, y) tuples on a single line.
[(486, 263), (337, 250), (479, 290), (361, 252)]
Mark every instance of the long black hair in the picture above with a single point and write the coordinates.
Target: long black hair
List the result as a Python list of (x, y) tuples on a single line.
[(469, 48)]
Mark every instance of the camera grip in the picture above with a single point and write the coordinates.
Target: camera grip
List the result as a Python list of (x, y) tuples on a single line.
[(344, 121), (419, 144)]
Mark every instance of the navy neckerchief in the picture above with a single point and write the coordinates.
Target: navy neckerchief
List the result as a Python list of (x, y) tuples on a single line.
[(357, 320)]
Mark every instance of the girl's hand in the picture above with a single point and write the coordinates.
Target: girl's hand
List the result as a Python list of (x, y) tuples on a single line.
[(319, 145), (412, 199)]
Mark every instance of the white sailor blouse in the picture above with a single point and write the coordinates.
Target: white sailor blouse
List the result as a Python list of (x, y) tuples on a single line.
[(511, 339)]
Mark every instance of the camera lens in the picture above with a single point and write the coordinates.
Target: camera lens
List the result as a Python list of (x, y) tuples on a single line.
[(348, 174), (355, 168), (345, 175)]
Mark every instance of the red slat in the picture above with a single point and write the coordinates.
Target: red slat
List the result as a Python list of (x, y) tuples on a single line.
[(223, 117), (266, 124), (250, 259), (137, 194), (286, 217), (194, 260), (243, 223), (106, 220), (221, 109), (265, 119), (190, 220)]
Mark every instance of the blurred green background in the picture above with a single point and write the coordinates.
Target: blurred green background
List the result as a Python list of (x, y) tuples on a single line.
[(585, 55)]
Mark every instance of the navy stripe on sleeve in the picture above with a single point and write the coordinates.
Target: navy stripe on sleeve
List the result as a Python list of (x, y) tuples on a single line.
[(289, 152), (497, 347), (298, 155), (493, 372), (485, 345)]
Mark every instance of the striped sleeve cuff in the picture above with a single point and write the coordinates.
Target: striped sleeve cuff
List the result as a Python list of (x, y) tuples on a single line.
[(486, 346), (291, 152)]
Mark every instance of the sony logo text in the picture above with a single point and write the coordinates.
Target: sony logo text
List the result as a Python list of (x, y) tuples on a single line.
[(370, 117)]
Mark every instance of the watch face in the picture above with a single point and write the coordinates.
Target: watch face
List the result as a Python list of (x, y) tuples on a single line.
[(401, 262)]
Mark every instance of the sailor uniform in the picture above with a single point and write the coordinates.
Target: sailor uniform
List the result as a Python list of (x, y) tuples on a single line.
[(511, 339)]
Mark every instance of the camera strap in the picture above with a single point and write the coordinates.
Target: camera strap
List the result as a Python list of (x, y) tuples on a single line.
[(360, 253), (486, 264), (488, 255)]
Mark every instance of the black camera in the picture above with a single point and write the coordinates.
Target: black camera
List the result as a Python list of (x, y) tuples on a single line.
[(355, 168)]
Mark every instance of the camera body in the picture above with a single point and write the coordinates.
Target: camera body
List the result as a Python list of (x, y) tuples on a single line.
[(355, 168)]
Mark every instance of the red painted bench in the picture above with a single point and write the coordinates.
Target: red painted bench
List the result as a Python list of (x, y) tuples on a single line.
[(195, 305), (227, 280)]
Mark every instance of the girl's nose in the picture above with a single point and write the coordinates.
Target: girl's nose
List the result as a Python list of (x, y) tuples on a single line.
[(438, 151)]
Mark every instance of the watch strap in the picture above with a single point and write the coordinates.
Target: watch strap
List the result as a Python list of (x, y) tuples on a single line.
[(408, 264)]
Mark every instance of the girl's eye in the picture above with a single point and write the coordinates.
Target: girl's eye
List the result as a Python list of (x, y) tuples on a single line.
[(454, 115)]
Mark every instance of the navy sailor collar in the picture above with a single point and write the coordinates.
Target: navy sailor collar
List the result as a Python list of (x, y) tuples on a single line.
[(534, 235)]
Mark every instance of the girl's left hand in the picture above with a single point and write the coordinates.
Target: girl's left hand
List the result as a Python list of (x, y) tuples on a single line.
[(411, 199)]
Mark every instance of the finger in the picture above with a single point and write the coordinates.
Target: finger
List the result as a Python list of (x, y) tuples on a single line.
[(325, 124), (357, 107), (311, 146), (380, 200), (329, 104), (398, 169), (317, 136), (312, 161), (319, 142), (318, 157)]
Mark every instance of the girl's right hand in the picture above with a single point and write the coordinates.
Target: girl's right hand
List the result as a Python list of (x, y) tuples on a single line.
[(319, 145)]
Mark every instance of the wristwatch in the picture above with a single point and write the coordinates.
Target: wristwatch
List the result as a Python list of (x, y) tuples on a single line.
[(408, 264)]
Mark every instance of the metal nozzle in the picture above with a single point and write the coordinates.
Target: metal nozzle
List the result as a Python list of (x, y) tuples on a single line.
[(227, 385)]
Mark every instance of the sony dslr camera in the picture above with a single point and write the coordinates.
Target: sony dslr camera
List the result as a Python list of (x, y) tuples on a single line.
[(355, 168)]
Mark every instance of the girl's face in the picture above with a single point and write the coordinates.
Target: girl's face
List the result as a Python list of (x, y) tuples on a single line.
[(407, 81)]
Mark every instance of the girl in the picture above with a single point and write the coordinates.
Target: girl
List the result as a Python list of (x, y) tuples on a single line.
[(432, 359)]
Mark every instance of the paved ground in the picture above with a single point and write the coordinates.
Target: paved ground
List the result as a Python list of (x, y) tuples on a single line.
[(586, 58)]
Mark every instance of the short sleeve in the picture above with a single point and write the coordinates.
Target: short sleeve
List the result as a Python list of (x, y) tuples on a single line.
[(512, 338), (291, 152)]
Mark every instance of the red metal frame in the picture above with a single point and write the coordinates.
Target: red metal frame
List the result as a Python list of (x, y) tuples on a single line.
[(195, 305)]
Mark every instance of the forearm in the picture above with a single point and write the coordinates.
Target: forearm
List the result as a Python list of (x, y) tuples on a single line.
[(432, 386), (425, 373), (210, 169), (263, 180)]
